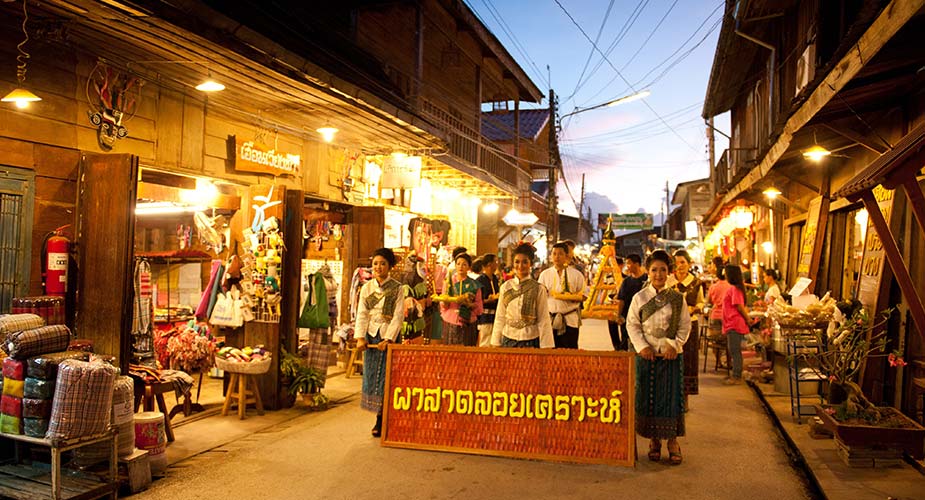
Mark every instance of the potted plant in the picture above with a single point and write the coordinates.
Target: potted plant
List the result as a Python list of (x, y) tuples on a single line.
[(853, 418), (308, 382)]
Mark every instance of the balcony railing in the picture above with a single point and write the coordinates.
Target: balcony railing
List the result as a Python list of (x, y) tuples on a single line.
[(466, 143)]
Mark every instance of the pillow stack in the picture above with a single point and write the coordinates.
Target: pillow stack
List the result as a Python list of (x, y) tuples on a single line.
[(39, 389)]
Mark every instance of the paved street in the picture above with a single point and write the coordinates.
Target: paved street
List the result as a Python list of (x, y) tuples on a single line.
[(731, 449)]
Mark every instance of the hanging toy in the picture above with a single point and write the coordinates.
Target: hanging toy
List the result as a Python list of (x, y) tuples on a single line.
[(260, 210)]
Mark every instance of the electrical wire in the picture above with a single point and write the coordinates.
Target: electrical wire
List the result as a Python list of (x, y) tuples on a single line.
[(510, 34), (597, 38), (651, 34), (623, 77)]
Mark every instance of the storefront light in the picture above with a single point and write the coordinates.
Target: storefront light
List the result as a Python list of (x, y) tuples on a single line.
[(166, 208), (205, 194), (742, 217), (768, 247), (861, 219), (327, 133), (490, 208), (515, 217)]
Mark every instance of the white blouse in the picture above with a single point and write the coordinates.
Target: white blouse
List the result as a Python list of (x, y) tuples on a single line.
[(555, 281), (373, 321), (646, 334), (505, 314)]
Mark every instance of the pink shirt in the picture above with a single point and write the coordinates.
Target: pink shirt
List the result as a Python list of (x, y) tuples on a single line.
[(450, 313), (732, 318), (716, 294)]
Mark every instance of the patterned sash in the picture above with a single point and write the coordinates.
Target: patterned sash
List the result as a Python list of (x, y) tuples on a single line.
[(663, 298), (690, 291), (388, 290), (528, 289)]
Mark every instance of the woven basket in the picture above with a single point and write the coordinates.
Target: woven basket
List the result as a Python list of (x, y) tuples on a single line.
[(251, 368)]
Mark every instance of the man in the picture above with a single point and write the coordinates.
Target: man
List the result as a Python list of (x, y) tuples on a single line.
[(572, 259), (490, 288), (566, 286), (634, 280)]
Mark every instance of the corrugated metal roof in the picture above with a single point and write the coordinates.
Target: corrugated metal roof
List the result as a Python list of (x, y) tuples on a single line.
[(498, 126)]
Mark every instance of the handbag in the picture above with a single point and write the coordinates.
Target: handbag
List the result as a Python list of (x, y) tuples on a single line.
[(315, 312), (227, 311)]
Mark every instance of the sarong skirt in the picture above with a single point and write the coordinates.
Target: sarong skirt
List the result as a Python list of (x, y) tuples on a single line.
[(660, 397)]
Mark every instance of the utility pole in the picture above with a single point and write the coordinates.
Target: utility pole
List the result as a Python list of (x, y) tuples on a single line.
[(665, 233), (555, 163), (581, 208), (711, 150)]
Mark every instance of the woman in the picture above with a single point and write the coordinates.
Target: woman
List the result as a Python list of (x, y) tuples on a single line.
[(378, 324), (770, 280), (715, 296), (522, 315), (658, 323), (460, 318), (689, 285), (735, 320)]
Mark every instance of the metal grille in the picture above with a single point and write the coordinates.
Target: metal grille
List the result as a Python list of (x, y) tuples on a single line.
[(11, 251)]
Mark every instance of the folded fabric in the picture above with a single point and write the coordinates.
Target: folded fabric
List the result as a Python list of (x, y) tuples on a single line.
[(14, 369), (35, 427), (36, 408), (82, 404), (13, 387), (38, 389), (10, 323), (42, 340), (85, 345), (11, 406), (10, 424), (45, 367)]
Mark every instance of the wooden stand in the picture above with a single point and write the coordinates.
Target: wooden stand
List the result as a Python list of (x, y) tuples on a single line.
[(238, 392), (356, 360), (25, 481), (256, 333), (137, 470)]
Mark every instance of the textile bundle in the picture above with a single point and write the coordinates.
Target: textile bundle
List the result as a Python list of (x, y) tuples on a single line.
[(123, 419), (45, 339), (14, 369), (45, 367), (10, 323), (82, 404), (34, 388)]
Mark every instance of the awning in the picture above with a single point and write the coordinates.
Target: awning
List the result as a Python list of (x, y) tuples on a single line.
[(906, 154)]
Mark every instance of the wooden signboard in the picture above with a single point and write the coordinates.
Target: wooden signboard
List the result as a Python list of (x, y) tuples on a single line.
[(870, 283), (250, 156), (574, 406), (812, 239)]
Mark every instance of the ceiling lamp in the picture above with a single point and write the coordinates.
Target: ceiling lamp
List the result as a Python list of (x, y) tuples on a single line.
[(21, 96), (327, 133), (816, 153), (516, 218), (210, 85), (772, 193)]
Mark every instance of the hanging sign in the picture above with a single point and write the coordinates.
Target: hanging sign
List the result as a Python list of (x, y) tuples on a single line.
[(251, 156), (543, 404), (812, 239), (401, 172), (625, 221)]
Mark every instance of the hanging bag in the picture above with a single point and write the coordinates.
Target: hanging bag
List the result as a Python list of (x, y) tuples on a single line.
[(315, 312)]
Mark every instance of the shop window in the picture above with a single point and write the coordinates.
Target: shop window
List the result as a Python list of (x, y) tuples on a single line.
[(16, 200)]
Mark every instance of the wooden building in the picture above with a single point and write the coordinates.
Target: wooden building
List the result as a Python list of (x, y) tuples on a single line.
[(841, 81)]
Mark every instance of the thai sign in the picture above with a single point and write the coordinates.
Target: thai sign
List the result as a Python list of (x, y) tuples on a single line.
[(869, 282), (529, 403), (251, 156), (401, 172), (626, 221)]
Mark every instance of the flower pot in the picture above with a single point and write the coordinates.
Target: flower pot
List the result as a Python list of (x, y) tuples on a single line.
[(907, 435)]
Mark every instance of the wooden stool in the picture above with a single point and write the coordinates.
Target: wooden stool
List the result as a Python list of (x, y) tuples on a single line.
[(238, 391), (356, 360), (719, 348)]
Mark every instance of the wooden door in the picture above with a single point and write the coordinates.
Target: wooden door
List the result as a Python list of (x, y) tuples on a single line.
[(107, 188), (369, 233)]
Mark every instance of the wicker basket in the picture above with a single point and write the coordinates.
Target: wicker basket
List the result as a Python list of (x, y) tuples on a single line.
[(251, 368)]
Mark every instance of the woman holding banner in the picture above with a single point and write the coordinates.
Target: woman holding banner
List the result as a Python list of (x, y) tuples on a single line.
[(522, 315), (658, 323), (378, 324)]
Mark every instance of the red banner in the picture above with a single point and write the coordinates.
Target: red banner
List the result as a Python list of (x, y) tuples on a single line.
[(574, 406)]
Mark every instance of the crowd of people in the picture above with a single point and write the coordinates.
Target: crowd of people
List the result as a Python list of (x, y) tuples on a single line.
[(659, 303)]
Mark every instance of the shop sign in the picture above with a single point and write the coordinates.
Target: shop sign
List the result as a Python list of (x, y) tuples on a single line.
[(811, 239), (543, 404), (626, 221), (401, 172), (251, 156), (869, 283)]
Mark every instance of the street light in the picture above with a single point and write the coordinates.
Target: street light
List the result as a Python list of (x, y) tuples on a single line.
[(619, 100), (772, 193)]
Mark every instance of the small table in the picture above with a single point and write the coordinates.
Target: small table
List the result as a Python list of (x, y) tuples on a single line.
[(154, 391)]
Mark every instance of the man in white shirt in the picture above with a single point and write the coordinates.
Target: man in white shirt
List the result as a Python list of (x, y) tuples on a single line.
[(566, 287)]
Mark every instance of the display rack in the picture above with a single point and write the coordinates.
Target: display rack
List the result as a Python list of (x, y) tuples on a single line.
[(802, 340), (168, 258), (35, 481)]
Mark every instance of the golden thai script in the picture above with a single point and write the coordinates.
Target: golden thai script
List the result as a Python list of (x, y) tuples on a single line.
[(286, 162), (504, 404)]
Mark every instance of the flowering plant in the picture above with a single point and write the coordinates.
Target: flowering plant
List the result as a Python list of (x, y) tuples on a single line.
[(843, 352)]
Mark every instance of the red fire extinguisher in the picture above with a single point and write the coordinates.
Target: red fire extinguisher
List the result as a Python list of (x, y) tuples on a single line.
[(55, 251)]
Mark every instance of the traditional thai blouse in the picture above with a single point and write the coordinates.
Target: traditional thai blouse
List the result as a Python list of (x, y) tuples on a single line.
[(691, 288), (452, 312), (380, 310), (522, 313), (658, 320)]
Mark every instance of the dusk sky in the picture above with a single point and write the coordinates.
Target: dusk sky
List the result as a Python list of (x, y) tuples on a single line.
[(626, 151)]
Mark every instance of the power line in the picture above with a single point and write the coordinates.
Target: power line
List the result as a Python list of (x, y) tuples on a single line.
[(621, 75), (510, 34), (591, 54), (651, 33)]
